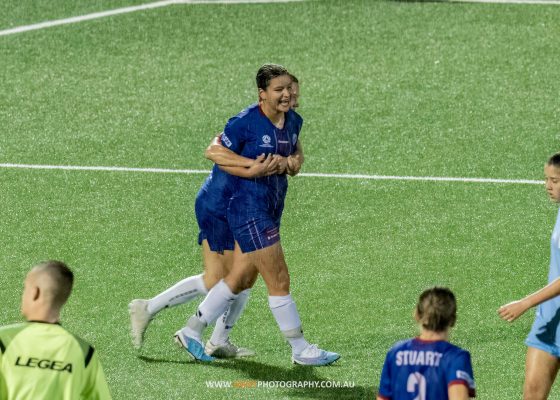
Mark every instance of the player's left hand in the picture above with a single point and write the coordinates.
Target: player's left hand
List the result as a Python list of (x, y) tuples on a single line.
[(282, 164), (294, 165)]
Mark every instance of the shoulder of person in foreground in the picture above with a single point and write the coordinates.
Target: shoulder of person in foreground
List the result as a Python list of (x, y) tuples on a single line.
[(461, 380), (95, 387)]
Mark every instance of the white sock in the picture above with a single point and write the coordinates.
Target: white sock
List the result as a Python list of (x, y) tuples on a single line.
[(182, 292), (217, 301), (229, 318), (285, 312)]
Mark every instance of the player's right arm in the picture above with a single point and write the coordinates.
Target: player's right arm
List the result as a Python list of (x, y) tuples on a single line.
[(235, 164), (261, 166), (511, 311), (458, 392), (224, 157)]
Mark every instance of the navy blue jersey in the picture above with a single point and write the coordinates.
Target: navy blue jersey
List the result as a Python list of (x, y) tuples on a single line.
[(211, 205), (216, 191), (416, 369), (250, 134)]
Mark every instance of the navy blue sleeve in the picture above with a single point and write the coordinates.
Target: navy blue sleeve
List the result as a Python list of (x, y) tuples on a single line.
[(385, 389), (460, 371), (234, 135)]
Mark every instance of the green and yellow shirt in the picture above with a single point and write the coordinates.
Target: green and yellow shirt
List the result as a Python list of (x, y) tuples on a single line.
[(40, 360)]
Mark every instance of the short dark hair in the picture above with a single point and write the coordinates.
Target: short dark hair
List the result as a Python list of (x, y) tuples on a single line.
[(268, 72), (437, 309), (62, 277), (293, 78), (554, 160)]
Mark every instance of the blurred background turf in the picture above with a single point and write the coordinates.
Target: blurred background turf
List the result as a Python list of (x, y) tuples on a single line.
[(389, 88)]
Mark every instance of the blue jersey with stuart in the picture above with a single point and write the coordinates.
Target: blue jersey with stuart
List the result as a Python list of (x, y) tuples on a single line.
[(256, 206), (545, 334), (416, 369)]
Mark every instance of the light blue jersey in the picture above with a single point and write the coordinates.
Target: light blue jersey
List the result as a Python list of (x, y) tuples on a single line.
[(545, 334)]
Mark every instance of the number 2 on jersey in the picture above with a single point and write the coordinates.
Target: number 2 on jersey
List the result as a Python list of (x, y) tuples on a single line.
[(416, 383)]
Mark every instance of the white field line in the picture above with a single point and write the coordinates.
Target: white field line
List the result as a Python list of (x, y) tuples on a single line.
[(164, 3), (304, 174), (124, 10), (86, 17), (509, 1)]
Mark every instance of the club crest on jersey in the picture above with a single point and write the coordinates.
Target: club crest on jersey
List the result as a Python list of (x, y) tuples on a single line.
[(266, 141)]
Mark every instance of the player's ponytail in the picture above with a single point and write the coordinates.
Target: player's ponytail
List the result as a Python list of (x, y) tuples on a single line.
[(437, 309)]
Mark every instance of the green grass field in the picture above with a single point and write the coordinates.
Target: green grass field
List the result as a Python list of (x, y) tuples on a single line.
[(388, 88)]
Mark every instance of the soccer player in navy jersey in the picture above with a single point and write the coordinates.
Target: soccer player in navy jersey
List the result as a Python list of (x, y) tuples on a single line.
[(543, 342), (428, 367), (217, 243), (254, 214)]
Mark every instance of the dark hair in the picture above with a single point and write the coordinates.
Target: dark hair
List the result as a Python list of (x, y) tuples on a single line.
[(554, 160), (437, 309), (268, 72), (62, 277), (293, 78)]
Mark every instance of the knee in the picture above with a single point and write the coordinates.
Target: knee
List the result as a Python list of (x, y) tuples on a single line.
[(284, 282), (280, 284), (247, 282), (238, 283), (533, 390), (211, 278)]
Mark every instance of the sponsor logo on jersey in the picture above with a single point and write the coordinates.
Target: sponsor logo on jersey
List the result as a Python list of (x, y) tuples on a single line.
[(54, 365), (266, 141), (272, 233), (226, 140), (415, 357)]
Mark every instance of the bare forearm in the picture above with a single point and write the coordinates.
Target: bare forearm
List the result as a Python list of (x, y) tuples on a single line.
[(237, 171), (224, 157), (546, 293), (298, 154)]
